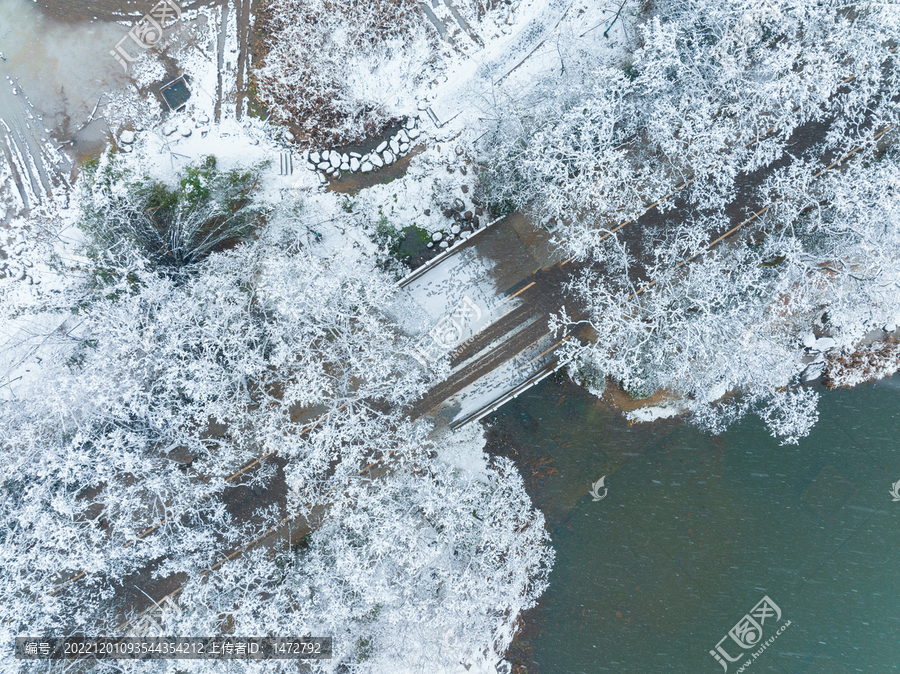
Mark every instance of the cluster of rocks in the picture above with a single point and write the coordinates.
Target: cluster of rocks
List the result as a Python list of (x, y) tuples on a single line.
[(333, 163), (466, 219), (16, 266), (186, 128), (815, 348)]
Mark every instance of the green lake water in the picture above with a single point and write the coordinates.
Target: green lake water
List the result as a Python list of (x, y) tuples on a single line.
[(695, 530)]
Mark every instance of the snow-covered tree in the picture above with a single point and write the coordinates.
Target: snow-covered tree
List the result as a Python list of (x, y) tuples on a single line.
[(744, 317), (711, 89), (421, 570), (162, 386)]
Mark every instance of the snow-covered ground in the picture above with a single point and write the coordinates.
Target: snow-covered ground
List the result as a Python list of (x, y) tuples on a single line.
[(490, 59)]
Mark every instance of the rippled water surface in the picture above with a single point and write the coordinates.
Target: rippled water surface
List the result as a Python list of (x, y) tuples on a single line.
[(695, 530)]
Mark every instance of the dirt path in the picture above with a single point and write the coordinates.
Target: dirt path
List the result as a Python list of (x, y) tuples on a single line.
[(242, 67)]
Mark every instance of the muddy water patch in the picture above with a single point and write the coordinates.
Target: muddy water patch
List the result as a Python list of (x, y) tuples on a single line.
[(61, 67)]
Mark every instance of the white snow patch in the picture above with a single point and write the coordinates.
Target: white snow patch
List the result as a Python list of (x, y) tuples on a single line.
[(464, 449), (645, 414)]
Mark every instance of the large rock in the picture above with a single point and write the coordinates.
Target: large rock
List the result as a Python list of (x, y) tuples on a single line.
[(395, 146), (414, 133), (335, 159), (314, 157), (824, 344), (381, 147), (402, 137), (404, 147), (354, 164), (377, 161), (127, 137), (388, 157), (812, 372), (322, 165), (366, 167), (345, 159), (437, 236), (345, 166)]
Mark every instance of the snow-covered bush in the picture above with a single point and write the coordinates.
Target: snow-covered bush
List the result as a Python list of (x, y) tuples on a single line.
[(334, 68), (170, 227)]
